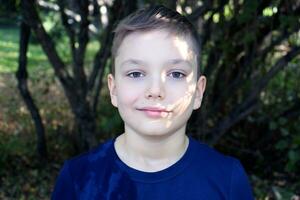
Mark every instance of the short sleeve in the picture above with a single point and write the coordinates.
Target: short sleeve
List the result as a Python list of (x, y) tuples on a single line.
[(64, 188), (240, 186)]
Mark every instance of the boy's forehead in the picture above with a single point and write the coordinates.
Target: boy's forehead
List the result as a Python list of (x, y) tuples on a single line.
[(160, 45)]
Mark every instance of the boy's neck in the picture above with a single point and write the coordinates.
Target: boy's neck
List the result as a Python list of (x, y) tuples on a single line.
[(151, 153)]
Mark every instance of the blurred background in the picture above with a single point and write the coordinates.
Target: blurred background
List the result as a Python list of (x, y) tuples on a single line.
[(54, 103)]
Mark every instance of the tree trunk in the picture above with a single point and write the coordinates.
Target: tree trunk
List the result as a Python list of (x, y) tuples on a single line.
[(85, 124), (21, 76)]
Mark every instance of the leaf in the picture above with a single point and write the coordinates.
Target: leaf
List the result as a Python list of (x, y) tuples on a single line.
[(272, 125), (282, 144), (282, 121), (284, 131), (296, 140), (294, 156)]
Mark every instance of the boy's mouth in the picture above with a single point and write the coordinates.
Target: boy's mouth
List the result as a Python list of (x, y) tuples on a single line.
[(154, 112)]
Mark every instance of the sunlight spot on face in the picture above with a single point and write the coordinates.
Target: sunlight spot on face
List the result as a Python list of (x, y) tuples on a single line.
[(169, 120), (191, 88), (190, 77), (185, 101), (164, 115), (163, 77), (182, 47), (168, 124), (179, 107)]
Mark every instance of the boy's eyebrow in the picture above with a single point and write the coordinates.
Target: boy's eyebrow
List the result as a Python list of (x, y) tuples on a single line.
[(179, 61), (133, 61), (171, 61)]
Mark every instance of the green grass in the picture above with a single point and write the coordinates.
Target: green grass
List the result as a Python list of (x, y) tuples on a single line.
[(9, 47), (37, 60)]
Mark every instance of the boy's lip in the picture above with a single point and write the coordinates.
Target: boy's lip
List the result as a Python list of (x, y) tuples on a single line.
[(154, 112), (153, 109)]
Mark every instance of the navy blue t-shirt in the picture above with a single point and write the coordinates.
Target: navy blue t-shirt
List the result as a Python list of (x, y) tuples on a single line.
[(200, 174)]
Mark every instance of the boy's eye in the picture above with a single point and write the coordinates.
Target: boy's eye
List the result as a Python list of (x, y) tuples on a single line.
[(135, 74), (177, 74)]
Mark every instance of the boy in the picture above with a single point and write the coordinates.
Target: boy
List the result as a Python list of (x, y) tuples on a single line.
[(155, 84)]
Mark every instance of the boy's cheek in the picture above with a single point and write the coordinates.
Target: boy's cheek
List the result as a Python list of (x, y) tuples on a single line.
[(128, 96), (183, 104)]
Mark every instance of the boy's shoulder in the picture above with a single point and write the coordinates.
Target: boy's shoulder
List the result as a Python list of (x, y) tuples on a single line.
[(205, 155), (99, 155), (91, 174)]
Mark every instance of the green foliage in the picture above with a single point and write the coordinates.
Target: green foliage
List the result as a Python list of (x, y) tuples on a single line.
[(9, 7), (248, 12), (9, 145), (265, 189), (288, 21), (228, 11), (288, 143), (18, 162), (283, 93), (52, 24)]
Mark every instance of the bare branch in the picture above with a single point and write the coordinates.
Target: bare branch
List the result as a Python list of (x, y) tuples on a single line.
[(83, 38), (33, 20), (68, 27), (103, 53)]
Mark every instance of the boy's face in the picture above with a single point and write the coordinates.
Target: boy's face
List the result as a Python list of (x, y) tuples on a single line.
[(155, 87)]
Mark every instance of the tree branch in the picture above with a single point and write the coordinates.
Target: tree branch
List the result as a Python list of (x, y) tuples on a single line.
[(83, 38), (68, 27), (33, 20), (104, 52), (21, 76), (292, 112), (200, 11), (244, 109)]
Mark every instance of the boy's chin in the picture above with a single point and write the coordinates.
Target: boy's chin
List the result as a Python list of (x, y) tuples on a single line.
[(155, 132)]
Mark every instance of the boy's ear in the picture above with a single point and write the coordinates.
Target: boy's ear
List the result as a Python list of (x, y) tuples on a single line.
[(200, 88), (112, 89)]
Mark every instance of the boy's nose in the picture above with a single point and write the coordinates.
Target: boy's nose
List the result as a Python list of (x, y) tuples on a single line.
[(155, 90)]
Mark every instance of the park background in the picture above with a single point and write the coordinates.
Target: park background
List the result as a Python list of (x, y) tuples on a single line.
[(54, 103)]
